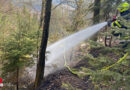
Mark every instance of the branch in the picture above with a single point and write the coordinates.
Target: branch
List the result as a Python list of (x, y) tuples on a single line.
[(69, 3), (58, 5)]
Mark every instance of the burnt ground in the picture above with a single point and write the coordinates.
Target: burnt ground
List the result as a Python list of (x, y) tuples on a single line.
[(54, 81)]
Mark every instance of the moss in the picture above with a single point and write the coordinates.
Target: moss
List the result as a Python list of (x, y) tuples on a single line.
[(69, 86)]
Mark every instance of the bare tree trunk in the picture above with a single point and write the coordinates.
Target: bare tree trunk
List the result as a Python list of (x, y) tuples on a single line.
[(108, 41), (17, 84), (40, 26), (41, 62), (96, 16), (42, 14)]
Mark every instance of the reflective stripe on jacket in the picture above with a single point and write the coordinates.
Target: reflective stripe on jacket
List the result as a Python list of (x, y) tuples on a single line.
[(116, 23)]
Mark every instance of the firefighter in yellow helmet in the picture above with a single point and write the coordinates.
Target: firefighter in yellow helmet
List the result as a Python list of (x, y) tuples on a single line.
[(124, 10), (114, 23)]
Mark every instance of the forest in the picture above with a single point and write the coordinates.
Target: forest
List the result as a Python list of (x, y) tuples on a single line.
[(64, 44)]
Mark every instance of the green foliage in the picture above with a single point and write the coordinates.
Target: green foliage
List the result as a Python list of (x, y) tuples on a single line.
[(108, 7), (94, 44), (108, 70), (69, 86), (78, 16), (20, 45)]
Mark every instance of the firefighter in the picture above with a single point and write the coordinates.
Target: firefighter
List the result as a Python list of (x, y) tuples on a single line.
[(124, 10), (115, 23)]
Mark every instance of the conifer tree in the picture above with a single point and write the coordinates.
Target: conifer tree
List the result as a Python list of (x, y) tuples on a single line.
[(18, 48)]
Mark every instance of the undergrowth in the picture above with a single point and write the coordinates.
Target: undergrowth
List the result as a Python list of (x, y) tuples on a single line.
[(108, 68)]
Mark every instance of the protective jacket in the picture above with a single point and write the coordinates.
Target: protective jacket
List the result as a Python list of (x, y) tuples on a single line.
[(116, 23)]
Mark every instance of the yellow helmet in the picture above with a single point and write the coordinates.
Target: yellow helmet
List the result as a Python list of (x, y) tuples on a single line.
[(123, 7)]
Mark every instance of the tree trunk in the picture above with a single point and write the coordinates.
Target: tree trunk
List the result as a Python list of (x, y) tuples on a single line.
[(42, 14), (17, 84), (108, 41), (41, 62), (40, 26), (96, 16)]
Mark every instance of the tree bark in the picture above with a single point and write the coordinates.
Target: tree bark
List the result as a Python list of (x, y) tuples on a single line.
[(108, 41), (17, 84), (40, 26), (42, 14), (96, 16), (41, 62)]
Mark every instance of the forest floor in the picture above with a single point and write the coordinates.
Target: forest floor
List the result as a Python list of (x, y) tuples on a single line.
[(63, 79), (55, 81)]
